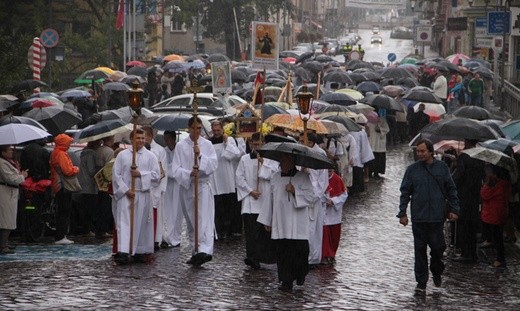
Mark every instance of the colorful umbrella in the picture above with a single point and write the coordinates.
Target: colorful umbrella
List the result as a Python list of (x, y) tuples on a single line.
[(90, 76), (171, 57), (295, 123), (136, 63), (454, 58)]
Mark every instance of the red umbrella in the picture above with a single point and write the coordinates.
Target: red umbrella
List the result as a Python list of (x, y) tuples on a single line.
[(136, 63), (42, 102), (454, 59), (290, 60)]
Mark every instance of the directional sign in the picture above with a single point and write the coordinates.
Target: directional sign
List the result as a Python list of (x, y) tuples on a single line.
[(498, 22), (424, 34), (481, 27), (392, 57), (49, 38)]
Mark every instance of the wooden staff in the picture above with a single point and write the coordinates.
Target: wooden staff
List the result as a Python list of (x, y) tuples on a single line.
[(133, 167), (318, 86), (195, 89), (261, 133)]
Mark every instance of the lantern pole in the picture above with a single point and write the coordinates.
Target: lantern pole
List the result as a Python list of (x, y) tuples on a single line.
[(304, 105), (195, 89), (134, 102)]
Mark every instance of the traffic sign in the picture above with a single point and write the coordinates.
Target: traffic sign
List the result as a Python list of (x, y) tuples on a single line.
[(424, 34), (354, 55), (49, 38), (498, 22), (481, 27), (392, 57)]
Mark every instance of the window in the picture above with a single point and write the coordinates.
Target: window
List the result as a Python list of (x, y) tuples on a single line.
[(177, 26)]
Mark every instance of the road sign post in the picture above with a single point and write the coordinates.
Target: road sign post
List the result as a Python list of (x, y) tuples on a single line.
[(37, 58)]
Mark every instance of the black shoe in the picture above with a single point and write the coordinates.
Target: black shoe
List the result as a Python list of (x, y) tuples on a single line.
[(252, 263), (141, 258), (156, 246), (420, 288), (437, 280), (165, 245), (198, 259), (300, 281), (313, 266), (122, 258), (176, 245), (286, 287)]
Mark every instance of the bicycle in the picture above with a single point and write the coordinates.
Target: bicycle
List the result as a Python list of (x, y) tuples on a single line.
[(38, 214)]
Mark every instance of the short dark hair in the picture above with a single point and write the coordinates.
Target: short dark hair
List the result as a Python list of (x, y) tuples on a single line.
[(193, 119), (429, 144), (147, 129), (137, 131)]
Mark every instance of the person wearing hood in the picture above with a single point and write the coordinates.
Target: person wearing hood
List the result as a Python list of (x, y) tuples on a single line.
[(60, 159)]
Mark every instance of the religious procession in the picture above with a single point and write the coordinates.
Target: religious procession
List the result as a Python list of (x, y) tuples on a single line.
[(202, 151)]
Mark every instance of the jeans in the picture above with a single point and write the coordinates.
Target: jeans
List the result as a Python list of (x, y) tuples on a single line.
[(428, 234), (476, 100)]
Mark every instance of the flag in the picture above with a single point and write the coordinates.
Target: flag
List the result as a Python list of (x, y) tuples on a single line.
[(258, 97), (120, 19), (260, 78)]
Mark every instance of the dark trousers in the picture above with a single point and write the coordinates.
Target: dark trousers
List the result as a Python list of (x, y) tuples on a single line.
[(103, 208), (236, 215), (496, 233), (358, 180), (378, 165), (223, 212), (63, 211), (292, 259), (428, 234), (258, 240), (467, 237), (402, 132)]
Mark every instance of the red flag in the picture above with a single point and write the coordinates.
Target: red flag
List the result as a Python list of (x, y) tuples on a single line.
[(120, 20), (259, 78)]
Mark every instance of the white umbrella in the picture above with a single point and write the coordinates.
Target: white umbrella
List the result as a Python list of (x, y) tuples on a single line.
[(16, 133), (494, 157)]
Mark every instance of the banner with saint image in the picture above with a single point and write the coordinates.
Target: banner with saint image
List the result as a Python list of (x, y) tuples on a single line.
[(221, 77), (265, 47)]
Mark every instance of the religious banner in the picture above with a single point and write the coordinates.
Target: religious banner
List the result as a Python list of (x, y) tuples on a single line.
[(377, 4), (221, 77), (265, 46)]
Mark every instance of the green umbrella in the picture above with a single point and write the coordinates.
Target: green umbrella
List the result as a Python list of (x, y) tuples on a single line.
[(409, 60), (512, 130)]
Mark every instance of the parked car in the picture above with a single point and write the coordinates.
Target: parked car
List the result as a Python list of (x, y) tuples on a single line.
[(376, 39), (208, 104), (375, 30), (401, 32)]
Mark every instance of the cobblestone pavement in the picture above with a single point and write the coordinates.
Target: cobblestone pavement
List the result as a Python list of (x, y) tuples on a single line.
[(374, 271)]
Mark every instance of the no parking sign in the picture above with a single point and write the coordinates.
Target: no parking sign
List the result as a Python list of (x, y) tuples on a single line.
[(424, 34)]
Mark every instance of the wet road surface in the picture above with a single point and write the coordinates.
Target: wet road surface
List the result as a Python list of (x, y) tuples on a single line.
[(374, 271)]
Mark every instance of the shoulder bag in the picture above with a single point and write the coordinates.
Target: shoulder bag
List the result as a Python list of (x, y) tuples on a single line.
[(69, 183)]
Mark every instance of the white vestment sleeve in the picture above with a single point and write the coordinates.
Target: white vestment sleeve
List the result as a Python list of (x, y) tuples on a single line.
[(151, 178), (339, 200), (243, 189), (180, 174), (208, 161), (266, 212), (118, 184), (230, 151), (303, 192)]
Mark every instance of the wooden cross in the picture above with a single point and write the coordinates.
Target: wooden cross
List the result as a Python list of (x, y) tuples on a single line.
[(195, 88)]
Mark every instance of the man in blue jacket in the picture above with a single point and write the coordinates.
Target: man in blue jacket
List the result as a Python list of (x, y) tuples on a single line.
[(428, 185)]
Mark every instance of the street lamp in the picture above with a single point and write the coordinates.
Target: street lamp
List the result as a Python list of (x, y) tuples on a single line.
[(304, 104), (470, 2), (412, 4), (134, 102)]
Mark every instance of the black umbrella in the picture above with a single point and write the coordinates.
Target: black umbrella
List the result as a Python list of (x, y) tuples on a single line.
[(101, 130), (303, 156), (338, 76), (138, 71), (372, 75), (6, 104), (131, 78), (21, 120), (338, 98), (55, 119), (218, 57), (407, 82), (382, 101), (460, 129), (285, 54), (483, 72), (302, 73), (501, 144), (238, 76), (305, 56), (395, 73), (472, 112), (270, 109), (351, 63), (27, 86), (313, 66), (116, 86), (362, 65), (171, 122), (324, 58), (333, 108), (368, 86), (494, 124), (275, 138), (422, 96), (358, 77), (346, 121), (90, 76), (174, 66), (123, 113)]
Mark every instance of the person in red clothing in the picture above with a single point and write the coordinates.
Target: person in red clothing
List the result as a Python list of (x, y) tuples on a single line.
[(60, 159), (336, 195), (495, 199)]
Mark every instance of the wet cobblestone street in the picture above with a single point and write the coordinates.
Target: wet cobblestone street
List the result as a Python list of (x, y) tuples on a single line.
[(374, 271)]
